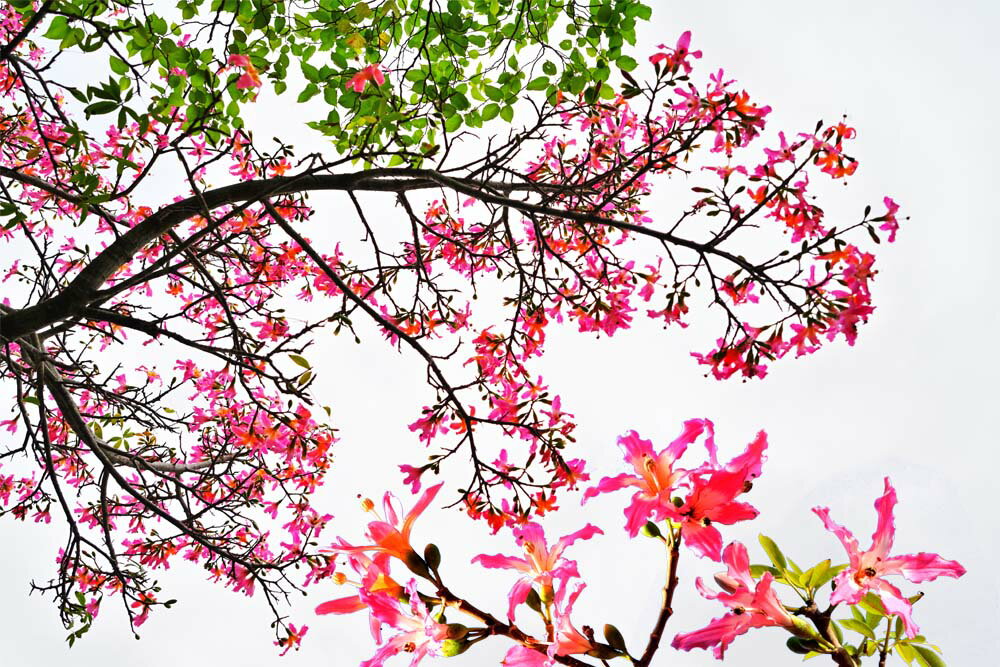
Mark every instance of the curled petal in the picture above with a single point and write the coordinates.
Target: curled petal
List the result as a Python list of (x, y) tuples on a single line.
[(896, 603), (845, 536), (885, 531), (609, 484), (717, 635), (498, 561), (584, 533), (704, 540), (922, 567), (347, 605)]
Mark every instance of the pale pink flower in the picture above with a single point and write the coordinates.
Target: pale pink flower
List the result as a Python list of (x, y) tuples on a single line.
[(752, 605), (867, 568), (568, 640), (421, 635), (541, 565), (522, 656)]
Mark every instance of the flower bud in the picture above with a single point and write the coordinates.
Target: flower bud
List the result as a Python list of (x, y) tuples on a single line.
[(452, 647), (802, 646), (457, 631), (432, 556), (614, 638), (651, 530), (533, 601), (417, 565), (800, 628), (727, 583)]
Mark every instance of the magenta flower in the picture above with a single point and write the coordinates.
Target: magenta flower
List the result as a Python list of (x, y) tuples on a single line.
[(867, 568), (712, 501), (540, 565), (752, 605), (714, 488)]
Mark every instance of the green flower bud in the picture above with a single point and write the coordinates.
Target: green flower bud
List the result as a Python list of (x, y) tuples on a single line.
[(533, 601), (800, 628), (457, 631), (802, 646), (651, 530), (614, 638), (452, 647)]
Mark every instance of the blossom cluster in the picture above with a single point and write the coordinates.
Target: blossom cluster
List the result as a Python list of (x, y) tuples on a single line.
[(677, 506)]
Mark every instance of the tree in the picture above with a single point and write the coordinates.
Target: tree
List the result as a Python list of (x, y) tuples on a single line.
[(198, 235)]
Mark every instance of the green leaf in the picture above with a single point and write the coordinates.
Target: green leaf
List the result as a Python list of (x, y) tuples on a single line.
[(626, 63), (301, 361), (490, 111), (538, 83), (118, 66), (453, 123), (507, 113), (757, 570), (928, 657), (906, 652), (99, 108), (871, 602), (58, 29), (858, 626), (772, 551)]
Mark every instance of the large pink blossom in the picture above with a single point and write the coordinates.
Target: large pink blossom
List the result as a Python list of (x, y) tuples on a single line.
[(867, 568), (541, 565)]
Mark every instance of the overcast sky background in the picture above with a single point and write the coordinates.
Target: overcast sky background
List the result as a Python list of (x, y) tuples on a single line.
[(911, 400)]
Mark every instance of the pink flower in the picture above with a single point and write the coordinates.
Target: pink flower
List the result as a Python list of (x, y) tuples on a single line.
[(358, 82), (375, 580), (390, 535), (714, 488), (421, 635), (867, 568), (753, 605), (568, 640), (890, 225), (654, 478), (522, 656), (757, 608), (250, 77), (712, 501), (540, 565), (293, 639)]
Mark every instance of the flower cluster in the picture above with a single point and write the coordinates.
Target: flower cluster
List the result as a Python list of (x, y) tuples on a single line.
[(675, 506)]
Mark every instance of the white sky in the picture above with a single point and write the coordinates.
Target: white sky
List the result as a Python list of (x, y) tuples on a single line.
[(911, 399)]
